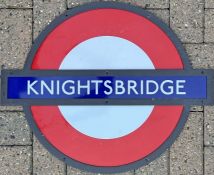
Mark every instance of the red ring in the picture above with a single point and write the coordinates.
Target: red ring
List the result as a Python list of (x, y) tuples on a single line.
[(162, 121)]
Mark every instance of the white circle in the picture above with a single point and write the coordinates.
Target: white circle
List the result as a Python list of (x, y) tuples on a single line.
[(106, 52), (106, 122)]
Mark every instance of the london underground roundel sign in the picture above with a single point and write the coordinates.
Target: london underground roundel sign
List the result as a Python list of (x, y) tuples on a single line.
[(107, 87)]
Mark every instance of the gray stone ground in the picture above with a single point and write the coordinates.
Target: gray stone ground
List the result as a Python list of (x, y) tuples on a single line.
[(20, 23)]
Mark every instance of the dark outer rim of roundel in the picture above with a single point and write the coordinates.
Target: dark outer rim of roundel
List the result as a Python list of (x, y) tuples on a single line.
[(115, 5)]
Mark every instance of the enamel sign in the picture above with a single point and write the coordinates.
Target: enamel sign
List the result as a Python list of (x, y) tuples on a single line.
[(107, 87)]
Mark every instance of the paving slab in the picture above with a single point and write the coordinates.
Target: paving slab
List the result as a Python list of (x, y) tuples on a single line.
[(208, 160), (143, 3), (44, 163), (15, 40), (46, 11), (186, 154), (209, 3), (15, 160), (158, 166), (14, 129), (201, 55), (162, 14), (209, 125), (11, 108), (186, 19), (209, 25), (15, 3)]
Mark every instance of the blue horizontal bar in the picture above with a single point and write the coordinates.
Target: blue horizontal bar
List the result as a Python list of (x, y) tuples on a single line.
[(107, 87)]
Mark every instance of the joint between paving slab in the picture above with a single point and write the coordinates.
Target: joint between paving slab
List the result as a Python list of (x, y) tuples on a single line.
[(146, 8), (197, 110), (168, 168), (169, 12), (28, 145), (66, 4), (16, 8), (32, 154), (155, 8), (32, 24), (208, 146), (198, 43), (11, 111), (203, 130), (193, 42), (66, 169), (208, 42), (203, 21)]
